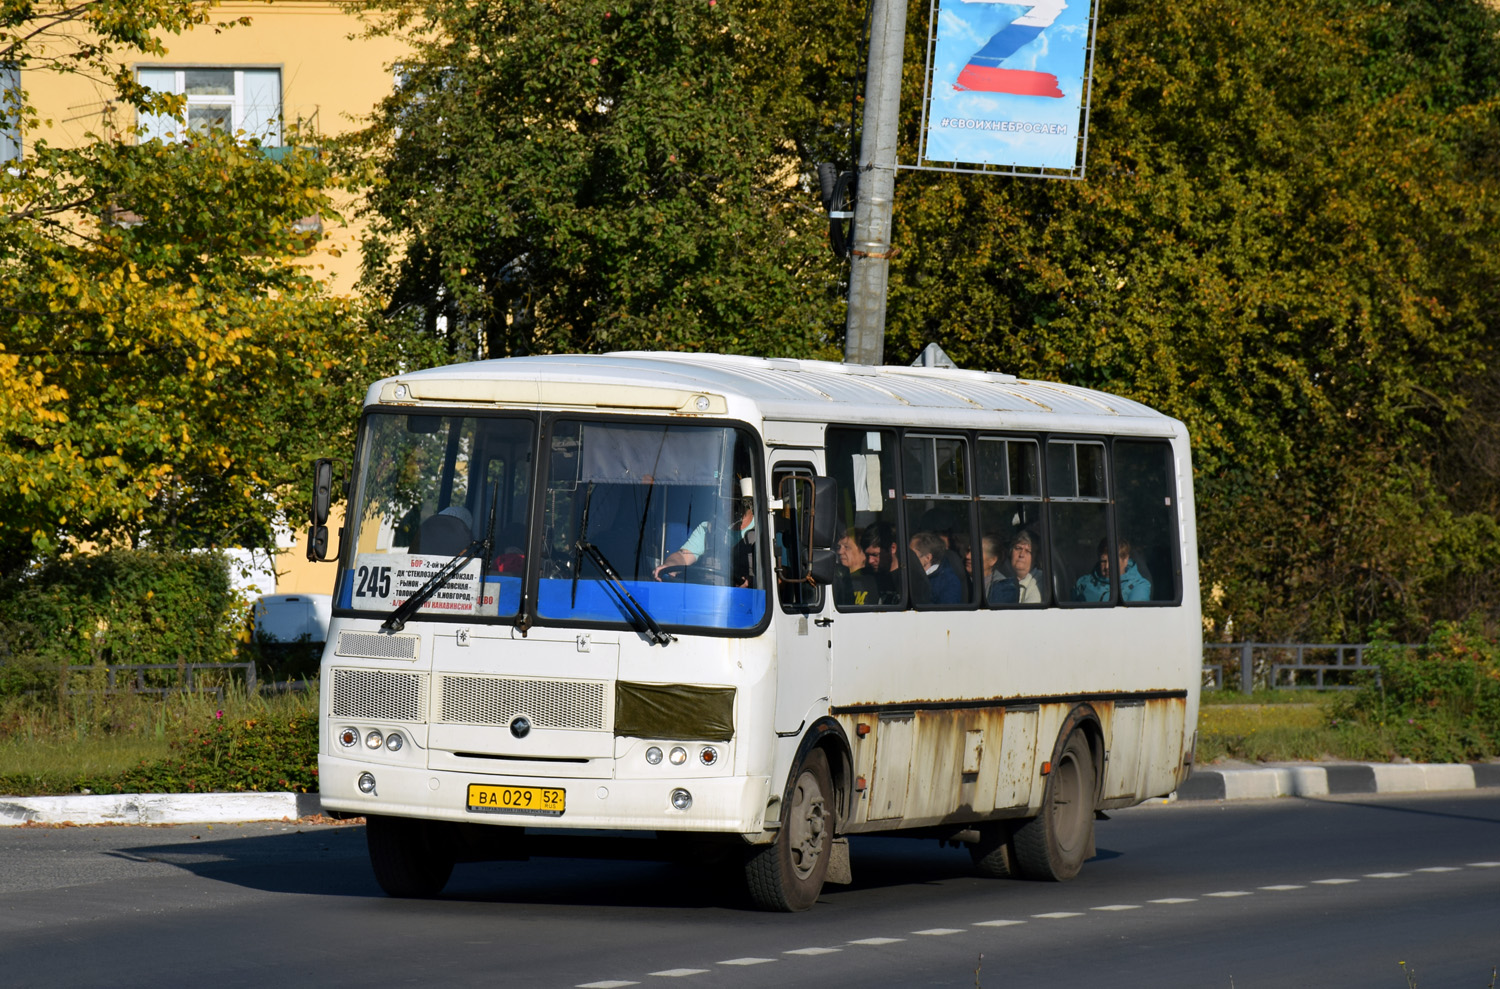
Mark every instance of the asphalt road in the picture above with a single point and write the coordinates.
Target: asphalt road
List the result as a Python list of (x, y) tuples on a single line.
[(1328, 892)]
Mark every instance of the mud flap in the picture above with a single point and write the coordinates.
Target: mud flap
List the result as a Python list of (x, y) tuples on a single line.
[(838, 863)]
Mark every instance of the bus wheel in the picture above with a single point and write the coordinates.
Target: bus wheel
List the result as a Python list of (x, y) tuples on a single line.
[(1053, 844), (993, 854), (787, 875), (410, 857)]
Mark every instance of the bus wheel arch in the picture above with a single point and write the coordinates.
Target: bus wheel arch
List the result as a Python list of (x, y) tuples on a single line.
[(1054, 845)]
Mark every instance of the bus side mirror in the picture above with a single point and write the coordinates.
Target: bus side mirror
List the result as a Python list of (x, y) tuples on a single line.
[(811, 530), (322, 501), (825, 501)]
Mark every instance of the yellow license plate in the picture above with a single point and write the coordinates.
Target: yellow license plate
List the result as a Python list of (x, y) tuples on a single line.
[(489, 799)]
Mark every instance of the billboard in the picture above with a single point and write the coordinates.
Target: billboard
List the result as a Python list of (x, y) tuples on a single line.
[(1008, 83)]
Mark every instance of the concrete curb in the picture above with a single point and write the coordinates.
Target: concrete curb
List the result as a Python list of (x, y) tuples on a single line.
[(1321, 781), (158, 808)]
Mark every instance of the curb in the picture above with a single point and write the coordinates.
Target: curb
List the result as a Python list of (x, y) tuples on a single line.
[(1322, 781), (158, 808)]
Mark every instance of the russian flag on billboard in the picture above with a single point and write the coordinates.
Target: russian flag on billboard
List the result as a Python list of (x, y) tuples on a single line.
[(986, 73)]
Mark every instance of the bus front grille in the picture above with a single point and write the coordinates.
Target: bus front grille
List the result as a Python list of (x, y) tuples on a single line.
[(380, 695), (377, 645), (486, 700)]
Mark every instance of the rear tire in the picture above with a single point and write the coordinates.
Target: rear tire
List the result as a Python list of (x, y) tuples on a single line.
[(787, 875), (1053, 845), (411, 858), (993, 854)]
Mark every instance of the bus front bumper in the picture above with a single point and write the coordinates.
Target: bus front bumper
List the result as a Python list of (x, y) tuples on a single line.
[(733, 805)]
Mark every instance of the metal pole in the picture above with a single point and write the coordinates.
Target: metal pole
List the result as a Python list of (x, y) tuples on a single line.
[(869, 269)]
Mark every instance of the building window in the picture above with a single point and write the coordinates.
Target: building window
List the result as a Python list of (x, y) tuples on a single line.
[(10, 112), (218, 98)]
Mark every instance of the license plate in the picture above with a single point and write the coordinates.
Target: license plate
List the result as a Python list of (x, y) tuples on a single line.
[(490, 799)]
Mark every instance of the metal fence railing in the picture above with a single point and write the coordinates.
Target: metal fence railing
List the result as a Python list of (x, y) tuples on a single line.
[(165, 678), (1288, 665)]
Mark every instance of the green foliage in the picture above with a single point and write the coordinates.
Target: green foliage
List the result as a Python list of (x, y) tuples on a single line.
[(273, 752), (596, 174), (1436, 703), (125, 606)]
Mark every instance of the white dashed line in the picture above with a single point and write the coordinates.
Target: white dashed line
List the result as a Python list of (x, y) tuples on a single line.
[(999, 923), (1119, 906), (1440, 868), (746, 961), (1282, 888), (607, 984), (939, 931), (1058, 915), (1177, 899), (879, 940), (1386, 875), (1228, 893), (1333, 882), (1484, 865), (678, 973), (812, 951)]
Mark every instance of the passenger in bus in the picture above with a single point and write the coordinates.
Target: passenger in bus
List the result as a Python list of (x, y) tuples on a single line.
[(1023, 582), (1094, 586), (883, 561), (853, 583), (931, 551), (989, 562)]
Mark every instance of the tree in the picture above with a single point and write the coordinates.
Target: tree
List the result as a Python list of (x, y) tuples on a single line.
[(165, 364), (593, 174)]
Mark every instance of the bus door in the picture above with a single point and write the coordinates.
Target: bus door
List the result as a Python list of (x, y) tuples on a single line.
[(803, 630)]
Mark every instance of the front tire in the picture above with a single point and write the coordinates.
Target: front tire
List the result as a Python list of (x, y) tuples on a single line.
[(787, 875), (1053, 845), (410, 858)]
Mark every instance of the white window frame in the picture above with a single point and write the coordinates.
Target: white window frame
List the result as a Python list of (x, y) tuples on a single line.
[(258, 118)]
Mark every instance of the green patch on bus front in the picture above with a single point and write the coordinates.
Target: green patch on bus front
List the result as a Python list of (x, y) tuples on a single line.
[(681, 711)]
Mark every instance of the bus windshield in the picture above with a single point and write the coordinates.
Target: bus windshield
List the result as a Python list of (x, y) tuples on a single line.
[(637, 518)]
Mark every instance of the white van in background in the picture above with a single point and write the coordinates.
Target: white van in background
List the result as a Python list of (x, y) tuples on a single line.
[(293, 617)]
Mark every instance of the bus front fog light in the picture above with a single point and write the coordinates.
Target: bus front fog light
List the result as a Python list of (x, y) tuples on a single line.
[(653, 755), (708, 755), (678, 755), (367, 784), (349, 737), (394, 741), (373, 740), (681, 799)]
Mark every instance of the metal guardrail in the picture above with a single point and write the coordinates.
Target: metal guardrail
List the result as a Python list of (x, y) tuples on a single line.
[(1290, 665), (136, 682)]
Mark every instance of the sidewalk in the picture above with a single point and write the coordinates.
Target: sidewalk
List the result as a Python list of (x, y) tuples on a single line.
[(1230, 781)]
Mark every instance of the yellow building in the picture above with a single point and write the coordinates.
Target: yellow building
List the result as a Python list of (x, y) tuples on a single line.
[(293, 67)]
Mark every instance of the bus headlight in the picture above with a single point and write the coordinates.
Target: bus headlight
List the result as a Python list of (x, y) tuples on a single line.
[(348, 737), (681, 799), (394, 741), (653, 755), (708, 755), (367, 783), (678, 755), (373, 740)]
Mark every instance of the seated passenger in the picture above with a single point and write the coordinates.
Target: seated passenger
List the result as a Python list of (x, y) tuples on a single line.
[(1023, 582), (1094, 586), (883, 562), (853, 584), (931, 551)]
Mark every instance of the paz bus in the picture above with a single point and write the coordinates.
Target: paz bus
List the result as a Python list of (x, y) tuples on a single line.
[(740, 609)]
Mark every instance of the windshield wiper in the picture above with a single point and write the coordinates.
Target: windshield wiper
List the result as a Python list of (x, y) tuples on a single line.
[(479, 548), (639, 617)]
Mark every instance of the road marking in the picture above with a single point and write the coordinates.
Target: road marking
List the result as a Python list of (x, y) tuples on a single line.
[(746, 961), (1057, 915), (1333, 882), (939, 931), (607, 984), (1119, 906), (678, 973), (1386, 875), (1484, 865), (812, 951), (879, 940), (1177, 899), (999, 923), (1440, 868), (1282, 889), (1226, 894)]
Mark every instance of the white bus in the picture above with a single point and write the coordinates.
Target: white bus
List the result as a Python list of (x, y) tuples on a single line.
[(974, 616)]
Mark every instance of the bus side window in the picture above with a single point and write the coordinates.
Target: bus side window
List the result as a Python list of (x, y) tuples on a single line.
[(1078, 503), (1010, 557), (863, 462), (796, 597), (1146, 519), (936, 492)]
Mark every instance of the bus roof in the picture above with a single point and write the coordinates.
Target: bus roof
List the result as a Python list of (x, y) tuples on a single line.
[(777, 388)]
